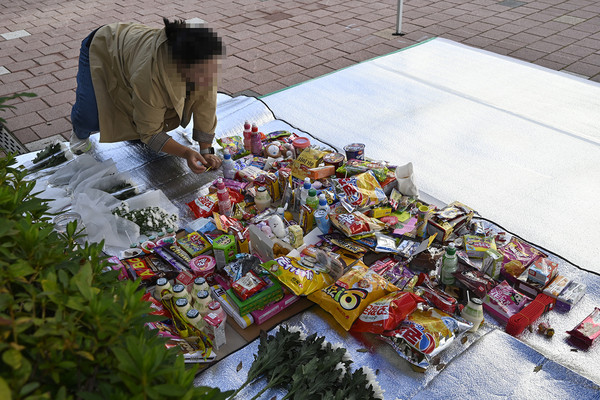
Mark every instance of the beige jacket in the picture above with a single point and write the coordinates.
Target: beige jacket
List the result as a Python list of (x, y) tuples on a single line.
[(139, 92)]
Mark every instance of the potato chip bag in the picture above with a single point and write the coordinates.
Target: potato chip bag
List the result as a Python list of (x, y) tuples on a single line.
[(362, 189), (387, 313), (348, 297), (424, 334), (356, 224), (235, 145), (301, 280)]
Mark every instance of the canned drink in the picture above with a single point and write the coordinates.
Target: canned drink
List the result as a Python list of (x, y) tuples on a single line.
[(322, 220), (355, 151), (422, 221)]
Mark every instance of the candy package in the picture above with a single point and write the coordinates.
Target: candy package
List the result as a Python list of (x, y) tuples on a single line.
[(387, 313), (382, 265), (424, 334), (356, 224), (521, 252), (301, 280), (248, 285), (503, 302), (475, 281), (141, 267), (588, 330), (235, 145), (476, 246), (362, 190), (204, 206), (347, 298), (353, 167), (437, 297)]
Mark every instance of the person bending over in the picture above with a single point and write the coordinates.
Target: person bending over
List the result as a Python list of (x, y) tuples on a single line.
[(136, 83)]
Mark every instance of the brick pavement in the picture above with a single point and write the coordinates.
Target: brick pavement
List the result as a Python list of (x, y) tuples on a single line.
[(272, 44)]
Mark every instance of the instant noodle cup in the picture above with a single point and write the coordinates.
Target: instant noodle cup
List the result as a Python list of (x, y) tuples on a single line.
[(387, 313), (348, 297), (425, 334), (301, 280)]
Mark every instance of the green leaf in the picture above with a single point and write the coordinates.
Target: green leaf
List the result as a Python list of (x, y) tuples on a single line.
[(169, 389), (13, 358), (20, 269), (5, 392), (83, 280), (28, 388)]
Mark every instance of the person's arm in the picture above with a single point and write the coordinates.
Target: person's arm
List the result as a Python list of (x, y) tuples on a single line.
[(195, 161)]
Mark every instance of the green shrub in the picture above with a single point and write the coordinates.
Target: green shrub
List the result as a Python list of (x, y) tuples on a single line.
[(67, 330)]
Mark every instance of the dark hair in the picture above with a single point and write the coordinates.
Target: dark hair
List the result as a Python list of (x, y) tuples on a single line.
[(189, 45)]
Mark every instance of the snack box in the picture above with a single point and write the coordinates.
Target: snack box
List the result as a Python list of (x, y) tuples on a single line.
[(258, 301), (194, 244), (492, 263), (219, 294), (476, 246), (449, 219), (274, 308), (542, 271), (224, 250), (502, 302), (570, 296), (558, 284)]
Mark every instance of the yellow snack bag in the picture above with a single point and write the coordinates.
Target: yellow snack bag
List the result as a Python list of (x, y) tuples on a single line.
[(347, 298), (299, 279)]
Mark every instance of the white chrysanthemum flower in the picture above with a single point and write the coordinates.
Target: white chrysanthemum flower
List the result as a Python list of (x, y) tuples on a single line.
[(342, 368), (339, 345), (373, 384), (293, 329)]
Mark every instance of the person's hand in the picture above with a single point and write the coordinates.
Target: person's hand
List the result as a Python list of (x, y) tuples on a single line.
[(195, 161), (213, 161)]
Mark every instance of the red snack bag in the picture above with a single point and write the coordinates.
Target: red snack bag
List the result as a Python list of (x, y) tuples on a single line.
[(248, 285), (141, 267), (387, 313), (356, 223), (204, 206), (157, 307), (588, 330)]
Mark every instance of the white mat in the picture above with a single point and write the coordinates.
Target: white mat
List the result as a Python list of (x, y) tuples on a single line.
[(517, 142)]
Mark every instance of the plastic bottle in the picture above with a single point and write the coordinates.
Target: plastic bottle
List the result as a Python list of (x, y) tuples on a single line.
[(449, 265), (323, 203), (228, 165), (473, 312), (247, 136), (312, 201), (262, 200), (304, 191), (223, 197), (256, 142)]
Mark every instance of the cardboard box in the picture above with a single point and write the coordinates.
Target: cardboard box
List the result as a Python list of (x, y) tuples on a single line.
[(542, 271), (224, 249), (218, 294)]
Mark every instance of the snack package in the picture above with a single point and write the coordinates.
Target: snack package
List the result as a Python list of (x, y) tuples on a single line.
[(141, 267), (194, 244), (475, 281), (387, 313), (502, 302), (339, 240), (542, 271), (492, 263), (570, 296), (356, 224), (235, 145), (347, 298), (588, 330), (437, 297), (248, 285), (301, 280), (362, 190), (521, 252), (353, 167), (204, 206), (424, 334), (309, 158), (476, 246)]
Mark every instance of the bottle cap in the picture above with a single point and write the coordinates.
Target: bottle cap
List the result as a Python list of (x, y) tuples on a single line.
[(312, 192), (226, 155), (307, 184), (451, 250), (220, 184), (199, 281), (192, 313), (178, 288), (261, 189), (254, 128), (202, 294), (161, 281), (182, 302)]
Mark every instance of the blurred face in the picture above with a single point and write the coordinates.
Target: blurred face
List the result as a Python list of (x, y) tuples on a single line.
[(202, 74)]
